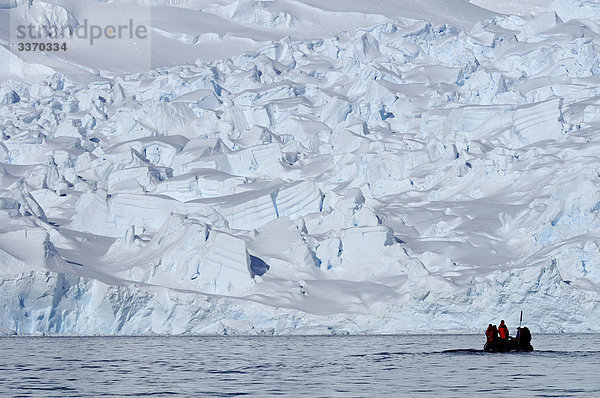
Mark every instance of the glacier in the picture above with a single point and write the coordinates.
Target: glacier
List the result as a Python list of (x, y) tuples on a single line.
[(404, 168)]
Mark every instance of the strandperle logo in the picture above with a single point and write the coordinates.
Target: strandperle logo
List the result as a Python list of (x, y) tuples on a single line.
[(85, 31)]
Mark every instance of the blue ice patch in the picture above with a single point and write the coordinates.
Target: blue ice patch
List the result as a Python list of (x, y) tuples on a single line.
[(258, 266)]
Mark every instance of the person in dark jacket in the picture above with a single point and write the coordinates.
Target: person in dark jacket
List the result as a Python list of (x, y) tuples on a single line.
[(495, 336), (525, 337)]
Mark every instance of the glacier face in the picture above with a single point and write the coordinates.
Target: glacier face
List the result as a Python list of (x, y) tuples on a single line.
[(403, 176)]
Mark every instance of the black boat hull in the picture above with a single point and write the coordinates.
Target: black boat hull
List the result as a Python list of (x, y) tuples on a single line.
[(506, 346)]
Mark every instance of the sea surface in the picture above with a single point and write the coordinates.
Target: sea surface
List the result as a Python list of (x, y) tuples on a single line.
[(319, 366)]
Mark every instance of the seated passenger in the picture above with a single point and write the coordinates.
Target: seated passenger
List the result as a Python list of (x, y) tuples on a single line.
[(495, 336), (525, 337), (489, 333)]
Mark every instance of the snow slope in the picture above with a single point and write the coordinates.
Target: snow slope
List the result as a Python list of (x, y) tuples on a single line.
[(294, 167)]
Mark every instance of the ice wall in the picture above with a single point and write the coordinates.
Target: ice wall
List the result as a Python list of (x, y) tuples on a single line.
[(408, 176)]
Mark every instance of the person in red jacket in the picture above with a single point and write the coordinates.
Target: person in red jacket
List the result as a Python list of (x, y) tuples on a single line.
[(503, 331), (489, 333)]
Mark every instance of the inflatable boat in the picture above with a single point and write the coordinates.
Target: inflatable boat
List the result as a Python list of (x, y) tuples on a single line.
[(520, 343), (507, 345)]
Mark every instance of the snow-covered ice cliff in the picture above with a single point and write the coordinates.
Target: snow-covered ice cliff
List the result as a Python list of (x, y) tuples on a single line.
[(354, 168)]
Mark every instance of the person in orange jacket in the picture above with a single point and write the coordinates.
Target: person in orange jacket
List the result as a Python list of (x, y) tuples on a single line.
[(489, 333), (503, 331)]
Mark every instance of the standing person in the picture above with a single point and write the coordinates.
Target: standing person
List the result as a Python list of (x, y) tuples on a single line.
[(503, 331)]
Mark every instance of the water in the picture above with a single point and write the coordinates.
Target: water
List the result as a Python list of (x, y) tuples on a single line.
[(357, 366)]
